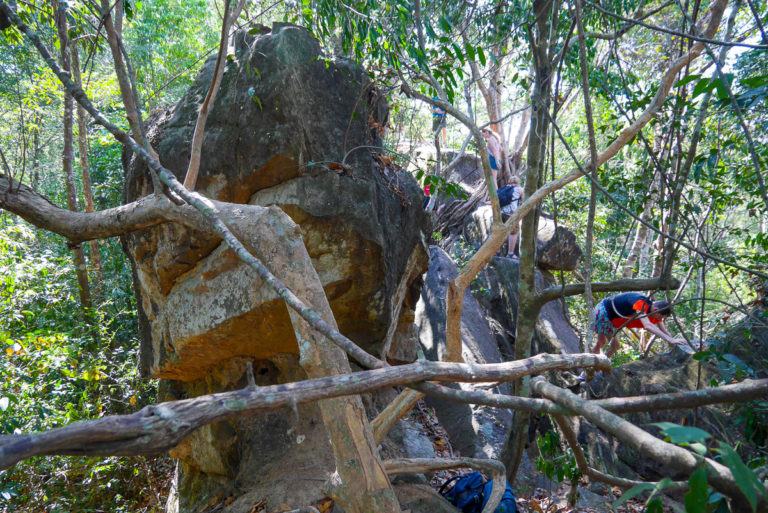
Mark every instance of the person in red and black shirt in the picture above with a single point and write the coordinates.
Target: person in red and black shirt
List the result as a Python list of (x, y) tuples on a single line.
[(630, 310)]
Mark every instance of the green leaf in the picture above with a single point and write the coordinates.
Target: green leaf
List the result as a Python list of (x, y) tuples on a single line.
[(654, 506), (712, 159), (732, 358), (429, 30), (704, 85), (746, 480), (445, 24), (458, 52), (701, 355), (696, 500), (470, 51), (699, 448), (686, 80), (481, 55), (633, 492), (682, 434)]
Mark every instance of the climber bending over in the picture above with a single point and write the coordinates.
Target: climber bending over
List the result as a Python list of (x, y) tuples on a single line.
[(630, 310)]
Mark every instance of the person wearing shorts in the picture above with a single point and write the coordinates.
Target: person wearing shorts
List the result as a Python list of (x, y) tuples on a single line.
[(508, 209), (629, 310), (494, 151)]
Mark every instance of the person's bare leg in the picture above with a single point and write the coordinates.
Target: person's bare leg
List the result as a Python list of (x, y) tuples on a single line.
[(614, 347), (601, 340), (512, 242)]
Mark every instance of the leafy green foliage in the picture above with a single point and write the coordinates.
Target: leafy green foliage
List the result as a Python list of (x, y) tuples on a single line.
[(439, 185), (697, 498), (686, 436), (553, 462), (653, 503), (57, 369), (745, 478)]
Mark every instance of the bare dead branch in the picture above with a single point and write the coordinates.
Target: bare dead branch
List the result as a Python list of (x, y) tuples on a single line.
[(573, 289), (747, 390), (585, 469), (718, 475), (160, 427), (706, 38)]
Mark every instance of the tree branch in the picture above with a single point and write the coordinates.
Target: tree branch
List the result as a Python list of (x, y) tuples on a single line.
[(79, 226), (718, 475), (573, 289), (585, 469), (747, 390), (706, 38), (190, 179), (160, 427)]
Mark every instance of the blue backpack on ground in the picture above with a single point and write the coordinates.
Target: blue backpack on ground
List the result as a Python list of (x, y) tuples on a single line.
[(471, 492)]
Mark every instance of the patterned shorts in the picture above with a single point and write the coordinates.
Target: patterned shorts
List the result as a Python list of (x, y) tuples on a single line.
[(603, 325)]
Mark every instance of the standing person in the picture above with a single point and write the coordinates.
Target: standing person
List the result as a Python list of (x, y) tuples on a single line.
[(510, 197), (630, 310), (494, 151)]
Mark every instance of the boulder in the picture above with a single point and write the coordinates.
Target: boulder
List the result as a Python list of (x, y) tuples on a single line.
[(467, 171), (294, 130), (268, 141), (556, 246), (474, 431), (498, 296)]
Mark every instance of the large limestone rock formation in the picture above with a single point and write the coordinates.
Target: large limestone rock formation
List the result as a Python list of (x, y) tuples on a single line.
[(292, 129)]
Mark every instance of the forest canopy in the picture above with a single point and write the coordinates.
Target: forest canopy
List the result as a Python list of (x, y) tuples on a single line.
[(637, 125)]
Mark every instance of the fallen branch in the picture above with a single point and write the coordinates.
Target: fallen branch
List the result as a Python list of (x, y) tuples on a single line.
[(161, 427), (748, 390), (585, 469), (672, 456), (573, 289)]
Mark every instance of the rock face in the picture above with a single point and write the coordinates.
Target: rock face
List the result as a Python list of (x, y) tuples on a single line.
[(556, 246), (475, 431), (499, 299), (291, 129)]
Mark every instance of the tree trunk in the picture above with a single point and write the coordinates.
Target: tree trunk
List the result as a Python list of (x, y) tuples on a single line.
[(640, 242), (60, 13), (521, 143), (528, 306), (82, 148), (492, 96)]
